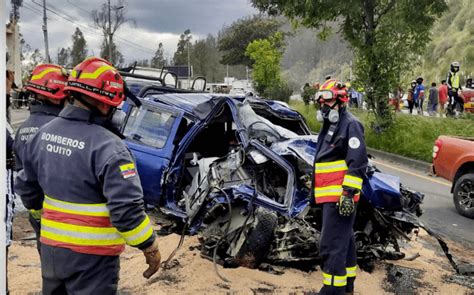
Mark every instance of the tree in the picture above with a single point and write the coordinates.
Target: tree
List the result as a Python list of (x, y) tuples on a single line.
[(15, 13), (266, 56), (101, 21), (234, 40), (79, 47), (158, 61), (63, 57), (181, 55), (386, 36), (117, 56)]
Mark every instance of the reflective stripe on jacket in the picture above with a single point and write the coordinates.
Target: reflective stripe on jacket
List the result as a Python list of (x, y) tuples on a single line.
[(330, 177), (84, 178), (341, 159), (86, 228)]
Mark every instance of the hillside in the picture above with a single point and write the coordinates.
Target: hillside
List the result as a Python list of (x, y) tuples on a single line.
[(452, 40), (309, 59)]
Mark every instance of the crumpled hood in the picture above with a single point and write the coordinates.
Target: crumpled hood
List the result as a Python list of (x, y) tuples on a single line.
[(303, 147)]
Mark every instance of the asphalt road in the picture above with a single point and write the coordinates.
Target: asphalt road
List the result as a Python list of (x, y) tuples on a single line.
[(439, 212)]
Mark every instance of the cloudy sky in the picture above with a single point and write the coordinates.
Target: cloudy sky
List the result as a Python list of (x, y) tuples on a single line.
[(156, 21)]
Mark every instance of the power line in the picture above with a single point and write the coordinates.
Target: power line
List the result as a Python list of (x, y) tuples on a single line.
[(77, 6), (138, 46), (116, 35), (32, 9), (35, 10)]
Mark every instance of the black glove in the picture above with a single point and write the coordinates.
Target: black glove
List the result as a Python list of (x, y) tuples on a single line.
[(346, 204)]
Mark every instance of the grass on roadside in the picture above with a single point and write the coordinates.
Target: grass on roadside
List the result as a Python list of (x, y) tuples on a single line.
[(410, 136)]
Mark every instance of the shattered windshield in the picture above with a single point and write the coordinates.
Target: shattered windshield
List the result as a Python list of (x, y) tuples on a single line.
[(258, 126)]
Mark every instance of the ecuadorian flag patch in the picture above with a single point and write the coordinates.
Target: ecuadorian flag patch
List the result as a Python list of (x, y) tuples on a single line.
[(128, 170)]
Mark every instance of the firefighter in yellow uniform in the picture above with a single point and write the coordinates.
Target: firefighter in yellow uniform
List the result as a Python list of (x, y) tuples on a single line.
[(77, 170), (340, 165)]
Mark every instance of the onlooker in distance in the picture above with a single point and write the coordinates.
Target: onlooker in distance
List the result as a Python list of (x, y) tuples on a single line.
[(433, 99), (442, 95), (419, 94), (306, 95), (456, 103), (10, 80), (398, 95), (410, 98), (469, 83)]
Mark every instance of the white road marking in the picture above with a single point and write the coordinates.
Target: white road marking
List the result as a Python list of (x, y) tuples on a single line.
[(413, 174)]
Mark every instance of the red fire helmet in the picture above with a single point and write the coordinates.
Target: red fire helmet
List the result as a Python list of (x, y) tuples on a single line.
[(332, 90), (98, 79), (48, 80)]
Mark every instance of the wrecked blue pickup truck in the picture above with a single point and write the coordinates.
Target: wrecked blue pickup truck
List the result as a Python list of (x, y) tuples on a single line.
[(237, 171)]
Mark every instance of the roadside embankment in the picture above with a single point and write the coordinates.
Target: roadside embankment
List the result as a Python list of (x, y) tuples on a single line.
[(409, 136)]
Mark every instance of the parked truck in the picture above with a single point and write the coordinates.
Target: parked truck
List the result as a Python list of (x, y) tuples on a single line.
[(453, 159)]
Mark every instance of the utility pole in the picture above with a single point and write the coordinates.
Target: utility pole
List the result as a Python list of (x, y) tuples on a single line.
[(189, 68), (110, 36), (45, 32)]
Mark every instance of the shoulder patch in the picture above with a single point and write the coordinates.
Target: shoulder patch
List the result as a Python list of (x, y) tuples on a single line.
[(128, 170), (354, 143)]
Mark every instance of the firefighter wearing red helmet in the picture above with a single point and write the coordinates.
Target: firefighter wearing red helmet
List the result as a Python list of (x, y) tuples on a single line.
[(340, 166), (46, 87), (83, 177)]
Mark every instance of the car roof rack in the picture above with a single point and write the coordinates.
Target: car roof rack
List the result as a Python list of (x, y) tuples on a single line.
[(163, 88)]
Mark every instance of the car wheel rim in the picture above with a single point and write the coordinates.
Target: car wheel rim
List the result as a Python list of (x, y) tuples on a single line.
[(466, 194)]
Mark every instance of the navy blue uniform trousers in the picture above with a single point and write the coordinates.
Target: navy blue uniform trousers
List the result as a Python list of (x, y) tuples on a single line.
[(337, 248), (67, 272)]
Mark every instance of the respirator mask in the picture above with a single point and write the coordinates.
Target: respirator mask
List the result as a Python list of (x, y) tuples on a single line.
[(327, 112)]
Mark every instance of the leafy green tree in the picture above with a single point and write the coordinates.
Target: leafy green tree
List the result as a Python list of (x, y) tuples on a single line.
[(158, 61), (205, 58), (386, 35), (79, 47), (181, 55), (63, 57), (233, 40), (266, 56)]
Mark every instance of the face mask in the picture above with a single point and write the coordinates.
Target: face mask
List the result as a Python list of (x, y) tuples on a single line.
[(333, 116), (329, 113)]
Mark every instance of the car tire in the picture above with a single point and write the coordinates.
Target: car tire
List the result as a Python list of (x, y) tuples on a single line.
[(463, 195), (259, 239)]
